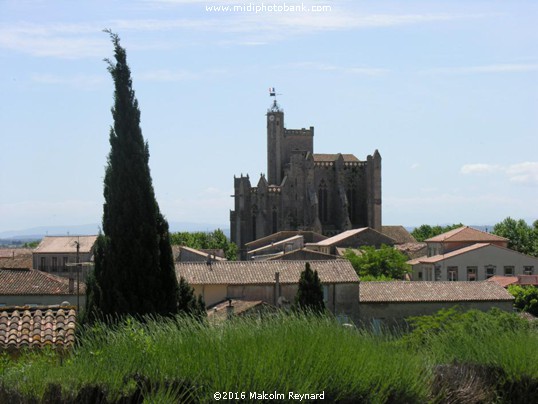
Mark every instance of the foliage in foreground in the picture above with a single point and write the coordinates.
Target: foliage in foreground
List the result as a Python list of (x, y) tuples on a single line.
[(526, 298), (166, 360)]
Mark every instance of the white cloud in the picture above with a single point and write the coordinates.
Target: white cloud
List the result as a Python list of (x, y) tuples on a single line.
[(522, 173), (480, 168)]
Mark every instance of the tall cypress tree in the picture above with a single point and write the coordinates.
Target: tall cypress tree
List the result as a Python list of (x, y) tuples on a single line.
[(134, 267)]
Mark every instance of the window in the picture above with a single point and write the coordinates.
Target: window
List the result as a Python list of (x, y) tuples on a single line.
[(64, 265), (490, 271), (420, 275), (508, 271), (54, 263), (471, 273), (326, 294), (528, 270), (43, 264), (452, 274)]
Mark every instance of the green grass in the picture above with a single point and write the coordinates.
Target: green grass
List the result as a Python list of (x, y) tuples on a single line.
[(175, 360)]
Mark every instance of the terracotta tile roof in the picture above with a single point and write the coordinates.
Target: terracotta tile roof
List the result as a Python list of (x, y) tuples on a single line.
[(241, 307), (398, 233), (412, 250), (466, 233), (65, 244), (34, 282), (441, 257), (333, 157), (37, 327), (15, 252), (524, 280), (422, 291), (263, 272), (20, 262), (503, 281)]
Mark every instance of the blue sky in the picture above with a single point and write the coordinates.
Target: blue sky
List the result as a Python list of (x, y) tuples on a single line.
[(446, 90)]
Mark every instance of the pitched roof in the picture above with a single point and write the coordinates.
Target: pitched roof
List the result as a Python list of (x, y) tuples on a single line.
[(277, 244), (350, 233), (34, 282), (503, 281), (302, 252), (66, 244), (36, 328), (465, 233), (200, 253), (341, 236), (441, 257), (263, 272), (15, 252), (412, 250), (241, 307), (423, 291), (333, 157), (398, 234), (19, 262), (309, 236)]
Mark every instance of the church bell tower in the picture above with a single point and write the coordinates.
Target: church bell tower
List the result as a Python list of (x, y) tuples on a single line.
[(275, 134)]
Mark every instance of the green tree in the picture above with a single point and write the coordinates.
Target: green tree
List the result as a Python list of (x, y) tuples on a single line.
[(522, 237), (426, 231), (201, 241), (309, 296), (526, 298), (385, 262), (134, 268)]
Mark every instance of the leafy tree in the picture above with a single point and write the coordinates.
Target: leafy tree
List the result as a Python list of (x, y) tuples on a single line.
[(386, 262), (188, 303), (521, 236), (134, 268), (526, 298), (201, 240), (31, 244), (310, 293), (426, 231)]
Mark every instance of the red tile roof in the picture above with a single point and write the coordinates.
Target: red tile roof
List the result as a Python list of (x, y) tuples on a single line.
[(440, 257), (36, 328), (34, 282), (15, 252), (503, 281), (422, 291), (263, 272), (466, 233), (20, 262)]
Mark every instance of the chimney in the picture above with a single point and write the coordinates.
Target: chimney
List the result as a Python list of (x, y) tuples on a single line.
[(71, 285)]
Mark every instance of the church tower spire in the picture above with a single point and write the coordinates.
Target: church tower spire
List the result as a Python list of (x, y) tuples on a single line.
[(275, 134)]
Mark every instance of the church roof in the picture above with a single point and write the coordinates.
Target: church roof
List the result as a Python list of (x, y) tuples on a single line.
[(333, 157)]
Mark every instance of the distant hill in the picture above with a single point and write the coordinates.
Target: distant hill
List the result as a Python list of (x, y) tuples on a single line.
[(37, 233)]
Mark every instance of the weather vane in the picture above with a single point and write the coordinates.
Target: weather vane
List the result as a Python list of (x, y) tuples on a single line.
[(272, 93)]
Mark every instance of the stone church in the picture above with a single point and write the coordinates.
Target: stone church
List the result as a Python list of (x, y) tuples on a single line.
[(303, 190)]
